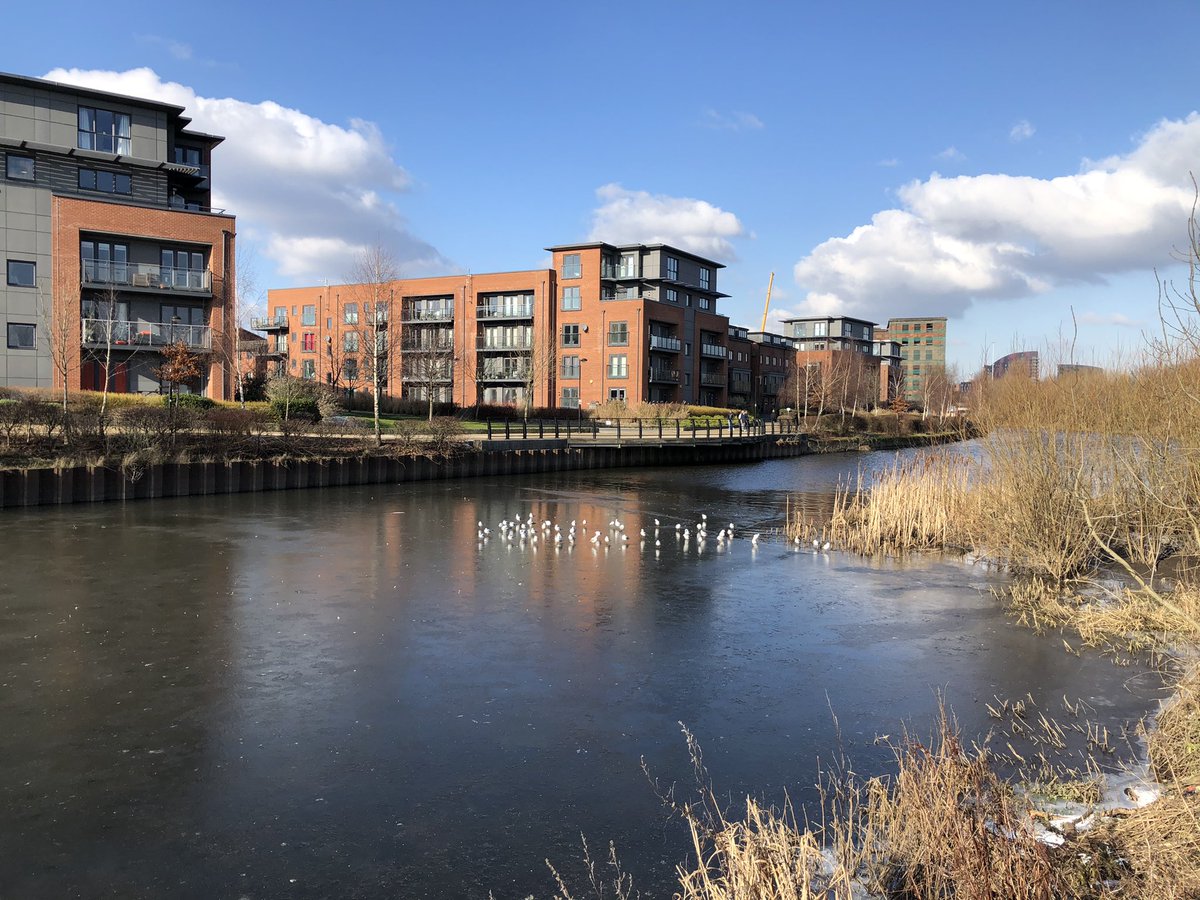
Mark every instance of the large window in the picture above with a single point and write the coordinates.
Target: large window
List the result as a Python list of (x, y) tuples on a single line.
[(703, 302), (570, 335), (570, 367), (310, 316), (618, 334), (618, 366), (308, 369), (22, 273), (571, 266), (570, 398), (182, 268), (104, 262), (19, 168), (187, 156), (21, 337), (350, 369), (672, 295), (350, 342), (351, 314), (672, 269), (570, 298), (105, 182), (704, 276), (104, 130)]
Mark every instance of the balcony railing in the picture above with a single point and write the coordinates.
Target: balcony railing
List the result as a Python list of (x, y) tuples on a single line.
[(426, 315), (712, 379), (144, 335), (607, 296), (421, 347), (511, 311), (666, 344), (665, 376), (145, 275), (488, 373), (716, 351), (428, 377), (499, 343), (274, 323), (739, 386)]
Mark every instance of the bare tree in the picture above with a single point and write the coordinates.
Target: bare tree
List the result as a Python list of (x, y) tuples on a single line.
[(371, 279), (104, 328), (427, 363), (62, 338)]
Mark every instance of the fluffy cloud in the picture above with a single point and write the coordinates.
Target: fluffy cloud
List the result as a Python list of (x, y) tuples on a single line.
[(1022, 131), (952, 154), (627, 217), (957, 240), (312, 193)]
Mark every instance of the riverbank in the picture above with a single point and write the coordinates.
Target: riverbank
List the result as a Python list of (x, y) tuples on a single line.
[(142, 479)]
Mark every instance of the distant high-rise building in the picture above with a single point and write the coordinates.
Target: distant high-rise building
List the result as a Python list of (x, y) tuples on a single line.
[(1023, 363), (922, 341)]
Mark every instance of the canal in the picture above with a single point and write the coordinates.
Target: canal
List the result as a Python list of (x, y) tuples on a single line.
[(344, 693)]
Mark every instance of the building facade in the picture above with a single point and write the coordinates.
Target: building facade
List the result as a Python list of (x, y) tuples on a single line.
[(1023, 363), (922, 341), (111, 248)]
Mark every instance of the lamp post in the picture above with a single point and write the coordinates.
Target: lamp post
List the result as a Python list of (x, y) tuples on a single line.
[(579, 399)]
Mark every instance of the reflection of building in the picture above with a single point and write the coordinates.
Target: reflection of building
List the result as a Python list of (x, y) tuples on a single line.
[(1024, 363), (111, 251), (922, 343)]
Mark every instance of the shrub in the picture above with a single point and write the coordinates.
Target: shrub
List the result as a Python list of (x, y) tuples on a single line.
[(301, 409), (190, 401)]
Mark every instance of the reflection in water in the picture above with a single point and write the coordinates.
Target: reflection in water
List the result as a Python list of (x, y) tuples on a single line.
[(214, 697)]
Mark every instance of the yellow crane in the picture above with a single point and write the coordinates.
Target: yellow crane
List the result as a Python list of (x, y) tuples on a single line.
[(770, 284)]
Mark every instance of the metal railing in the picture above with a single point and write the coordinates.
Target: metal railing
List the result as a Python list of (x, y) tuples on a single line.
[(145, 275), (513, 311), (716, 351), (487, 373), (668, 344), (270, 323), (148, 335), (426, 315), (636, 429), (485, 343), (739, 386), (712, 379), (665, 376)]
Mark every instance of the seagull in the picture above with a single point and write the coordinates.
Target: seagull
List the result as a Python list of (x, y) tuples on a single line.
[(825, 546), (656, 523), (816, 542), (754, 540), (704, 516), (677, 526), (658, 543), (643, 532)]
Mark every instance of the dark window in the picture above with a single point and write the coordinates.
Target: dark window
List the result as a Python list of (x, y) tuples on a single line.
[(22, 274), (187, 156), (571, 266), (21, 337), (19, 168), (672, 268), (105, 262), (570, 335), (105, 182), (104, 130)]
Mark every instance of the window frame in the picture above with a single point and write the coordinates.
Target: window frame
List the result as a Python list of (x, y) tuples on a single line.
[(350, 314), (569, 366), (32, 346), (672, 269), (568, 329), (308, 316), (118, 178), (618, 365), (705, 276), (8, 273), (571, 302), (114, 135), (572, 265), (618, 334), (350, 342), (8, 172)]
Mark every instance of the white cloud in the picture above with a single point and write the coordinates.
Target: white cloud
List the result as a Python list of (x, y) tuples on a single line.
[(1118, 319), (1022, 131), (952, 154), (627, 217), (732, 121), (889, 163), (957, 240), (313, 192)]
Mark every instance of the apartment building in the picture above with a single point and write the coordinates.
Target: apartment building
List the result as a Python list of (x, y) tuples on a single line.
[(630, 323), (922, 341), (891, 367), (773, 362), (837, 356), (1024, 363), (111, 248)]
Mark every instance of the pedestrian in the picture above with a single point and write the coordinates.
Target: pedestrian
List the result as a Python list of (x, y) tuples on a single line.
[(743, 419)]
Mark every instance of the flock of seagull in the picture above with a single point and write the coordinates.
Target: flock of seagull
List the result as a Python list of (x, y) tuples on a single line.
[(529, 532)]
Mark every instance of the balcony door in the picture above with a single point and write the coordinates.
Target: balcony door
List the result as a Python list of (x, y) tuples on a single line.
[(104, 262), (183, 269)]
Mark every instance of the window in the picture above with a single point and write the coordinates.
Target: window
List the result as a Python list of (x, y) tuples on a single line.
[(618, 366), (570, 398), (704, 277), (820, 329), (687, 299), (703, 302), (929, 356), (19, 168), (21, 337), (618, 334), (570, 298), (104, 130), (616, 394), (308, 369), (310, 316), (672, 295), (570, 367), (350, 341), (281, 313), (929, 341), (672, 269), (328, 324), (571, 267), (350, 368), (570, 335), (687, 348), (904, 327), (187, 156), (929, 326), (916, 370), (351, 315), (104, 262), (308, 341), (21, 273), (105, 182)]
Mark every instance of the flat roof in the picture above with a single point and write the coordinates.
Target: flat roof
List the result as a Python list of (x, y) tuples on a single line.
[(591, 245), (44, 84)]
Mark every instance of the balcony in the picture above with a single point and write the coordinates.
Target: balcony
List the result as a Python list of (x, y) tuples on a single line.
[(508, 311), (274, 323), (664, 376), (426, 347), (437, 377), (517, 374), (665, 344), (714, 351), (145, 276), (144, 335), (739, 386), (712, 379), (614, 273), (504, 343), (608, 296), (426, 315)]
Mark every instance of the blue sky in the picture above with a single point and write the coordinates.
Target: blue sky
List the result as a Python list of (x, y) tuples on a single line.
[(996, 163)]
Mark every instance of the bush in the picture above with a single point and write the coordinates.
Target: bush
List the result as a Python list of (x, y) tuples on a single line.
[(190, 401), (283, 392), (297, 409)]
